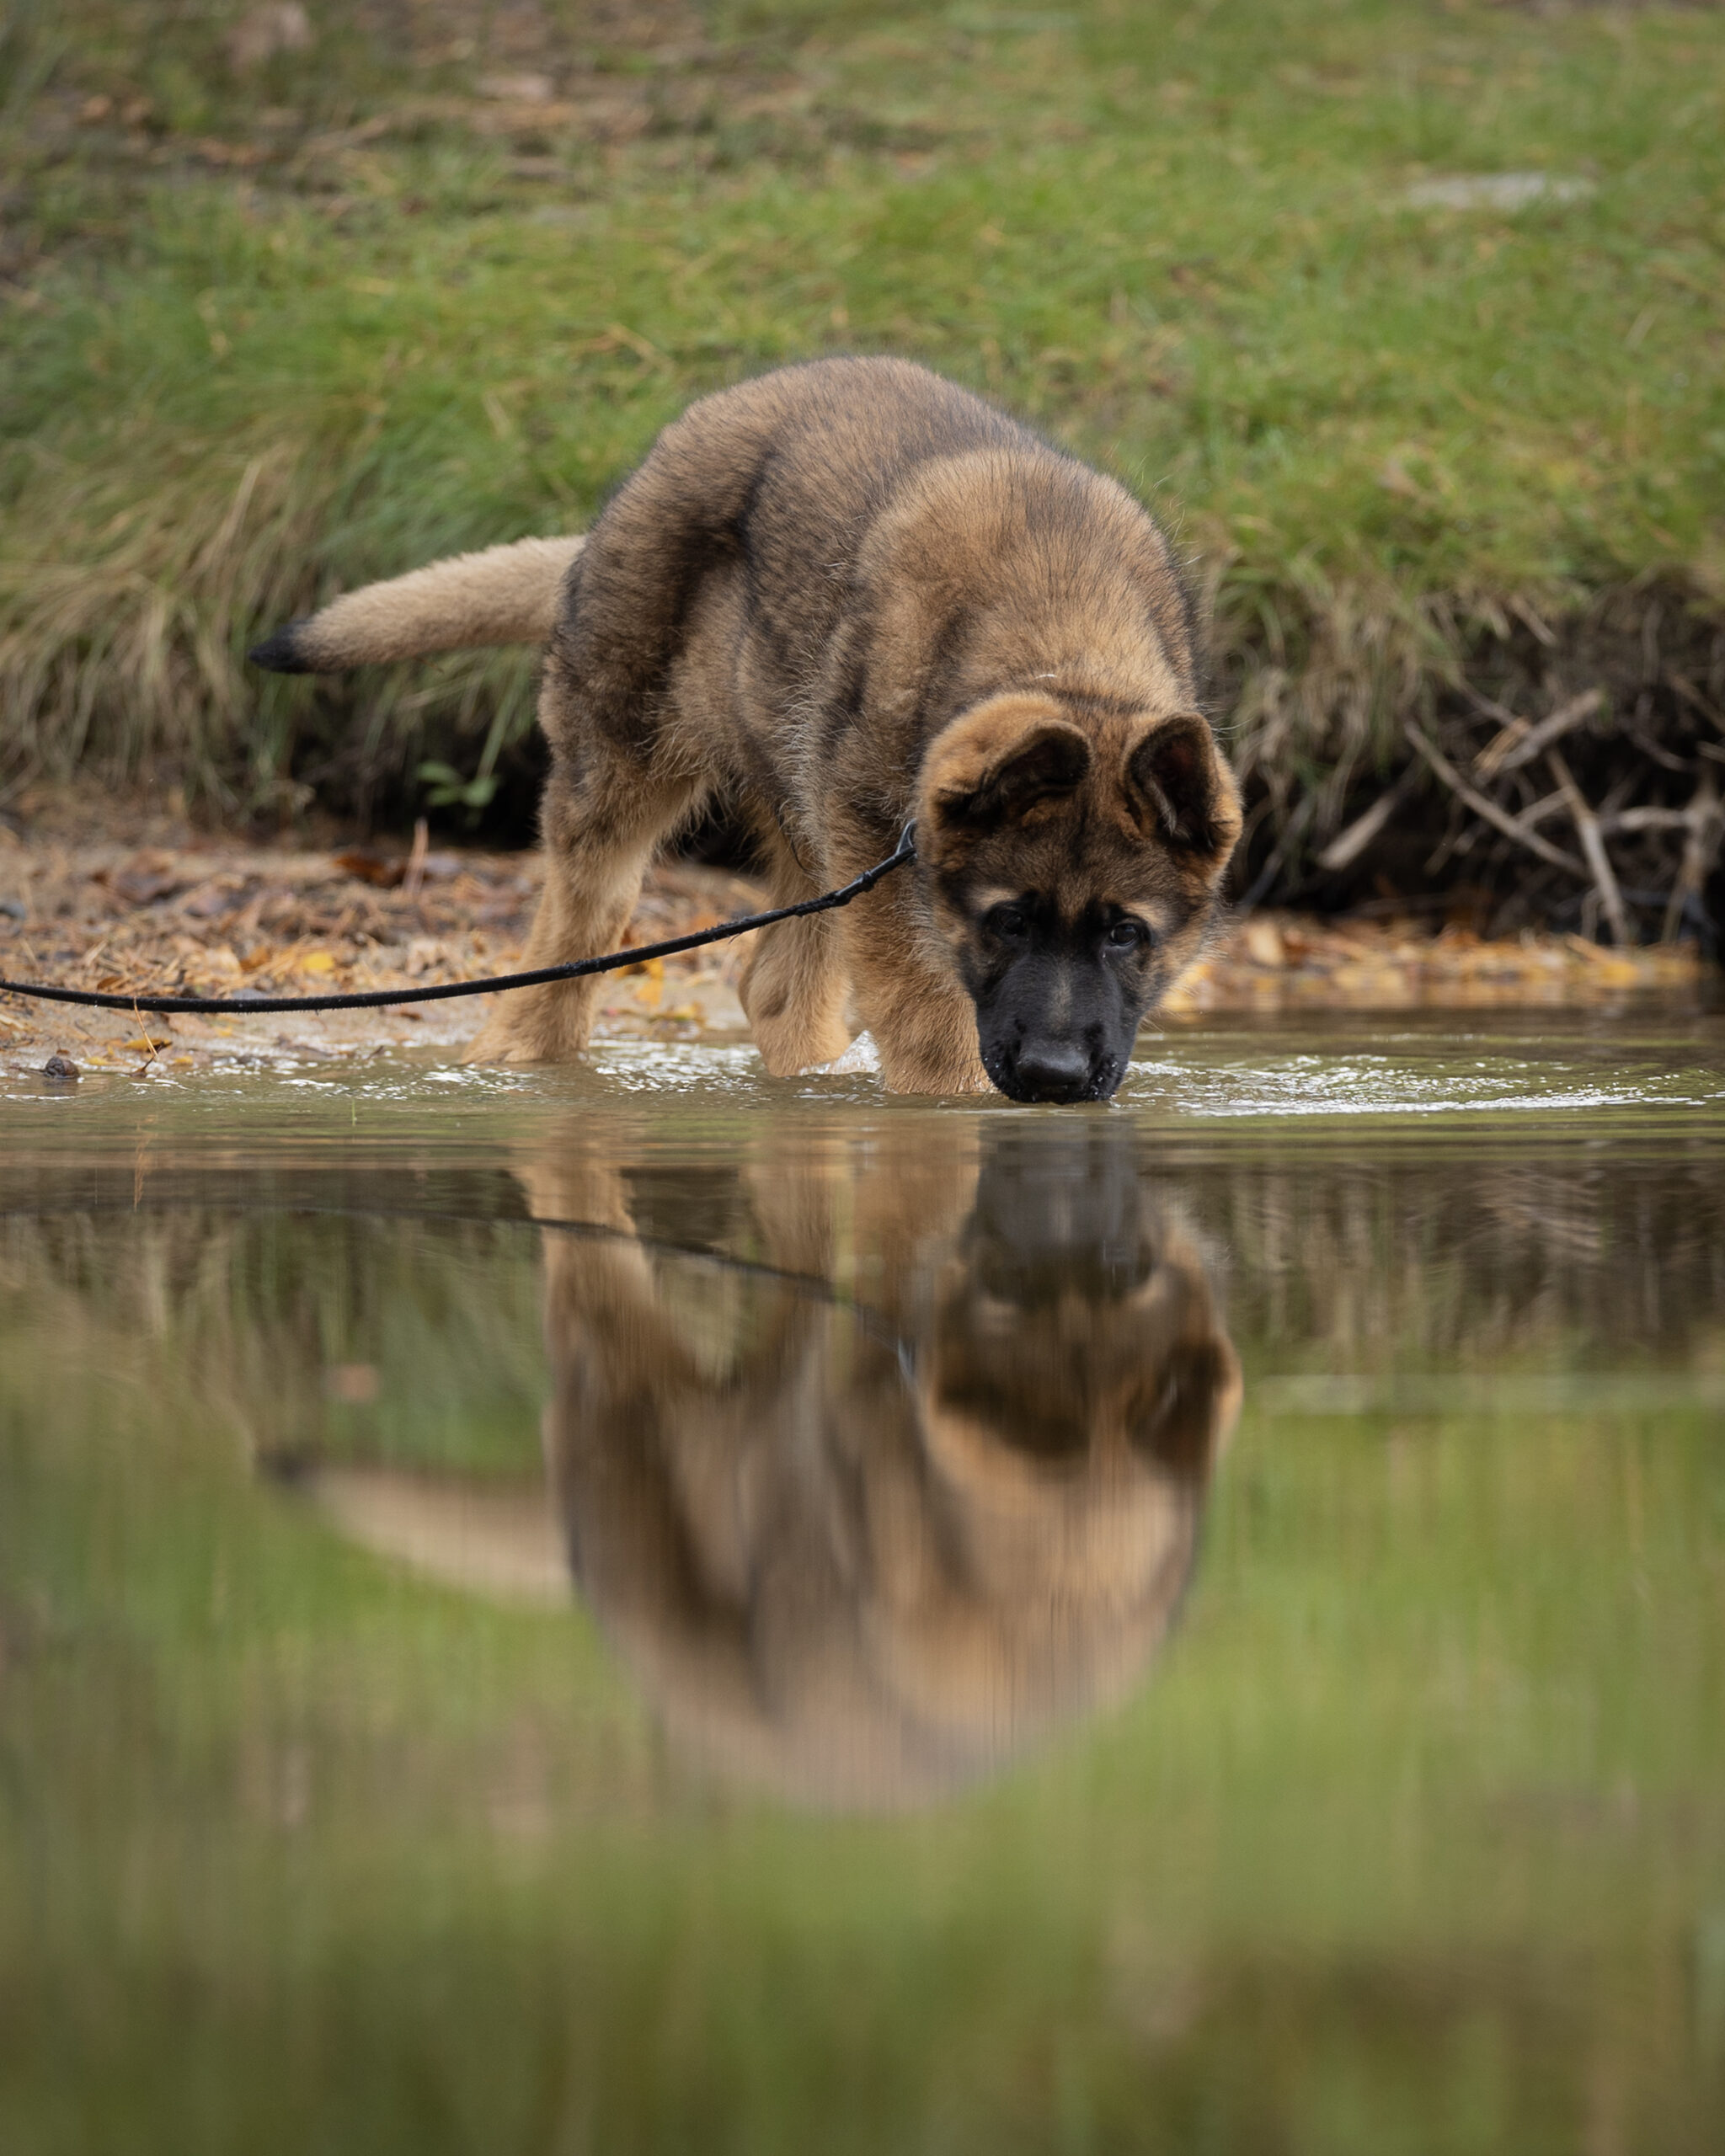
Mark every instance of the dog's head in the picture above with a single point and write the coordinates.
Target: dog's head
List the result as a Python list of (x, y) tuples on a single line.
[(1071, 853)]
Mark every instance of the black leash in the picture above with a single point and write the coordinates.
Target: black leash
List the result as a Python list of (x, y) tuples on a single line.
[(375, 999)]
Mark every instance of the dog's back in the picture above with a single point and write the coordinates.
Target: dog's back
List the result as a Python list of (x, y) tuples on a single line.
[(785, 474), (813, 572)]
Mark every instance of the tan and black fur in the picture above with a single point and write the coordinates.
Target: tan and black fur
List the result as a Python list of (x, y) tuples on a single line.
[(838, 598)]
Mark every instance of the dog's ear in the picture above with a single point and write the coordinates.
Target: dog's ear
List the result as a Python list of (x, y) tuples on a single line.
[(1050, 760), (998, 763), (1187, 1418), (1179, 785)]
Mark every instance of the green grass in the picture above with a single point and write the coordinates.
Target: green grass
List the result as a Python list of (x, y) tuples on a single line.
[(1400, 444)]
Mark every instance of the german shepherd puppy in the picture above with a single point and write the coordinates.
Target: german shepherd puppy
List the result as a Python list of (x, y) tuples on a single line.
[(844, 596)]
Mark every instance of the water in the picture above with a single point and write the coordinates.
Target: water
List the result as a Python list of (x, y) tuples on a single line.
[(652, 1610)]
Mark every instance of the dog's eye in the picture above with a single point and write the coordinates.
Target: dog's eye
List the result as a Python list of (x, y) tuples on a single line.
[(1127, 936), (1011, 923)]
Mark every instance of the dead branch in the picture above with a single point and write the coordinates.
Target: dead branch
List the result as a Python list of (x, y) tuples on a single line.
[(416, 859), (1697, 702), (1537, 812), (1291, 836), (1587, 827), (1705, 827), (1489, 707), (1348, 846), (1514, 748), (1523, 611), (1641, 819), (1499, 819)]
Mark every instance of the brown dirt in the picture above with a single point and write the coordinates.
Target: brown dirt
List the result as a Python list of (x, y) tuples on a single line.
[(103, 897)]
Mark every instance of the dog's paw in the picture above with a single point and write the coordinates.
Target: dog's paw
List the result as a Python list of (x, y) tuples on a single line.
[(861, 1057), (497, 1045)]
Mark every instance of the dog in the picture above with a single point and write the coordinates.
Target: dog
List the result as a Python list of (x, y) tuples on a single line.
[(839, 599), (860, 1555)]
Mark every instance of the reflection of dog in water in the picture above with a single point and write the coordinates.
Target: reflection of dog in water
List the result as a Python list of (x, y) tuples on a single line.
[(855, 1551), (857, 1558)]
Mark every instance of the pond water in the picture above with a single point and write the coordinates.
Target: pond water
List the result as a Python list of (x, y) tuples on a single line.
[(655, 1610)]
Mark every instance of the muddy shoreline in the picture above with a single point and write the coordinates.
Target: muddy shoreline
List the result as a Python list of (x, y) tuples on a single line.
[(137, 900)]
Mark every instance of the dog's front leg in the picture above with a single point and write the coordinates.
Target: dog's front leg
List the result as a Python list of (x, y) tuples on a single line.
[(921, 1015), (602, 824), (793, 989), (930, 1048)]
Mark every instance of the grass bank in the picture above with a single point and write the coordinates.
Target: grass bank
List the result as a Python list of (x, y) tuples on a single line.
[(1440, 451)]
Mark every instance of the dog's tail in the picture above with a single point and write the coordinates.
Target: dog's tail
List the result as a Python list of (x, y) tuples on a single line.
[(506, 594)]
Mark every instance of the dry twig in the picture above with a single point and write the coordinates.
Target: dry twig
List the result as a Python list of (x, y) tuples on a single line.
[(416, 860), (1519, 743), (1346, 847), (1705, 827), (1587, 827), (1499, 819)]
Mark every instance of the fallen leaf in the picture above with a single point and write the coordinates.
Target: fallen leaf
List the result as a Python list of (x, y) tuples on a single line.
[(211, 900), (142, 885), (384, 870)]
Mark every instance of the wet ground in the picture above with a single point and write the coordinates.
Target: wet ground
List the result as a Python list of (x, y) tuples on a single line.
[(655, 1610), (127, 899)]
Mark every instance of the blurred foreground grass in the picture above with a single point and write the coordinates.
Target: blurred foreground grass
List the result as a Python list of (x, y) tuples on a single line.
[(276, 325)]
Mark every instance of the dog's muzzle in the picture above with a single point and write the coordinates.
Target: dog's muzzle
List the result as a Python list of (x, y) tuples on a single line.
[(1052, 1070)]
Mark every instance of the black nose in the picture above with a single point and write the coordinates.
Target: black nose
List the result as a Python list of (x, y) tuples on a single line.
[(1052, 1070)]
